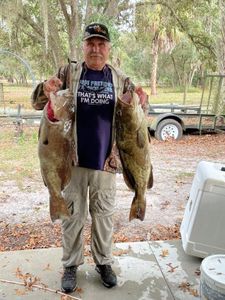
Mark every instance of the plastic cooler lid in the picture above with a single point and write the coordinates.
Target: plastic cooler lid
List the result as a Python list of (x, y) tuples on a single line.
[(212, 170), (213, 270)]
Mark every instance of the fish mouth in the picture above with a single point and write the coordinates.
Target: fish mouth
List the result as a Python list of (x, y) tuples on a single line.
[(127, 99)]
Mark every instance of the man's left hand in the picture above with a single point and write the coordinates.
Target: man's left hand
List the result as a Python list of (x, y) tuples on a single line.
[(142, 95)]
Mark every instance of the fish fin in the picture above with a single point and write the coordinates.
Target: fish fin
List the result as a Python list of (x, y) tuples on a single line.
[(137, 210), (58, 209), (128, 177), (43, 134), (150, 180), (140, 138), (39, 132), (149, 137), (43, 179)]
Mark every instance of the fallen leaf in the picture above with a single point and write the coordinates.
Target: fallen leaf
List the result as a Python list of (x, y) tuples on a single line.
[(184, 286), (47, 268), (20, 292), (79, 290), (172, 269), (194, 292), (198, 272), (165, 252), (120, 252), (66, 297)]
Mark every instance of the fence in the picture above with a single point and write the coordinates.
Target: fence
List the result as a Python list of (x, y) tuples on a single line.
[(15, 108)]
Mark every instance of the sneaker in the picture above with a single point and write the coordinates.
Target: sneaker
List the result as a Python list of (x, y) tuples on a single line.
[(69, 279), (107, 275)]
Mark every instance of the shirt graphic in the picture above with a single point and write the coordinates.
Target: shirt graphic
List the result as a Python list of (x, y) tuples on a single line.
[(95, 92), (95, 108)]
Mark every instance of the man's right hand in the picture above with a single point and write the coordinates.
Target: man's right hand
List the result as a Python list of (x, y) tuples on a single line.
[(53, 84)]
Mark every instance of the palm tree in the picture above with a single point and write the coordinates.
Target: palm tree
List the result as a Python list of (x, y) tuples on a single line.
[(160, 30)]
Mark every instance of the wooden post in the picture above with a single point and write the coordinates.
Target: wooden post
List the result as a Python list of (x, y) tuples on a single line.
[(185, 89), (18, 123), (2, 96)]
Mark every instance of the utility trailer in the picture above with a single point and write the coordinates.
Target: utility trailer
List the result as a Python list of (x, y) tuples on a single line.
[(172, 120)]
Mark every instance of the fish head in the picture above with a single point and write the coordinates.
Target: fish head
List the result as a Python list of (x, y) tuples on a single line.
[(63, 104), (129, 111)]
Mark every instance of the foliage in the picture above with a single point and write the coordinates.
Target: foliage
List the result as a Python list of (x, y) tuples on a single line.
[(199, 20), (134, 58), (186, 33)]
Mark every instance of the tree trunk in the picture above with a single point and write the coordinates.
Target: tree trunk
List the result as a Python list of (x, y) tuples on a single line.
[(219, 100), (54, 42), (88, 12), (185, 89), (74, 30), (176, 70), (155, 54), (111, 8), (72, 22), (191, 75), (221, 39)]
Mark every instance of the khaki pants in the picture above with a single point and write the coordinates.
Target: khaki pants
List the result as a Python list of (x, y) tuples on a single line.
[(100, 186)]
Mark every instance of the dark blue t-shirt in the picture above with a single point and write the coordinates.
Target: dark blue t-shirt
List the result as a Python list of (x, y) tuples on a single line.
[(95, 107)]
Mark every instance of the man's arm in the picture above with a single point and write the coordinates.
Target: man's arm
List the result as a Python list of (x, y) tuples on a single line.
[(40, 95), (38, 98)]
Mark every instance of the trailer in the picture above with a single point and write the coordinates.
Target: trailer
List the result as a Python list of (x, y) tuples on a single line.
[(168, 121)]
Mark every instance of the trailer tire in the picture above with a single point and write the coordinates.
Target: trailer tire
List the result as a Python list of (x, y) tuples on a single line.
[(167, 129)]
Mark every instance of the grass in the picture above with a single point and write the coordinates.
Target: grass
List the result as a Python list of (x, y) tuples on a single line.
[(18, 155), (169, 95), (182, 175), (14, 95)]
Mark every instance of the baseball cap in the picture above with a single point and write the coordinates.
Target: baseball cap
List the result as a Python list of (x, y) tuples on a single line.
[(98, 30)]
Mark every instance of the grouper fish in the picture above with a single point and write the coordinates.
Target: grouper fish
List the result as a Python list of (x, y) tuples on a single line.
[(55, 151), (133, 143)]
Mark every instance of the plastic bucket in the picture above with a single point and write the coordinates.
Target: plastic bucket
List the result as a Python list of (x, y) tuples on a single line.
[(212, 279)]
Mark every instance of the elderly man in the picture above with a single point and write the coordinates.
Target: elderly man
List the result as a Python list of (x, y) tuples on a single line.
[(96, 87)]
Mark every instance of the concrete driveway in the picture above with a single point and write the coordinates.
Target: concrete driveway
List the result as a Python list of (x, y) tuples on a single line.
[(146, 271)]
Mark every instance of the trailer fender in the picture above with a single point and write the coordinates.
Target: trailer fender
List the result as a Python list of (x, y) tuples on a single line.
[(164, 116)]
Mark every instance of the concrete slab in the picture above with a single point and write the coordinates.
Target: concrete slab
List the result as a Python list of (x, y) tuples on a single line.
[(180, 270), (142, 272)]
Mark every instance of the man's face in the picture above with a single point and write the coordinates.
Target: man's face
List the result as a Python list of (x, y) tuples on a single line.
[(96, 52)]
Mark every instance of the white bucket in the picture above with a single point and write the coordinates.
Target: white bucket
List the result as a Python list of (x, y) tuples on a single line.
[(212, 280)]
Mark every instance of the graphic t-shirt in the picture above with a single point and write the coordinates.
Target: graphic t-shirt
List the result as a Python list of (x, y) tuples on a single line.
[(95, 107)]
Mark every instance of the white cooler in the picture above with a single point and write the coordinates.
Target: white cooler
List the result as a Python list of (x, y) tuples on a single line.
[(203, 225)]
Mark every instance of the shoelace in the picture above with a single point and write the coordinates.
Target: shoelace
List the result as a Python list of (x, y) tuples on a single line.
[(106, 269), (70, 272)]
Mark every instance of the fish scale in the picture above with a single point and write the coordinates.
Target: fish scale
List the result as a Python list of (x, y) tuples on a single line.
[(55, 151), (132, 140)]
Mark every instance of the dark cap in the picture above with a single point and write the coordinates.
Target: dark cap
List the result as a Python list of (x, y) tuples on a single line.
[(98, 30)]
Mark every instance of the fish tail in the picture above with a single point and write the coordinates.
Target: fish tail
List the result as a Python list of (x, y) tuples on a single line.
[(137, 210), (58, 209)]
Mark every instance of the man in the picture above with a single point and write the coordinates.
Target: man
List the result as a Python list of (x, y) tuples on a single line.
[(96, 86)]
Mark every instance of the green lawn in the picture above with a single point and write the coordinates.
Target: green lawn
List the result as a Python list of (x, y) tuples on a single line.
[(18, 154), (14, 95), (169, 95)]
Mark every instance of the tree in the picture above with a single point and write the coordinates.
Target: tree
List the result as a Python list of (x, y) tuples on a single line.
[(162, 31), (166, 21), (25, 28), (145, 34), (52, 29), (221, 38), (219, 103)]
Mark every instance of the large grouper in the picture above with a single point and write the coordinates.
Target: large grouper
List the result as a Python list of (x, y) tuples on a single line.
[(133, 143), (55, 150)]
